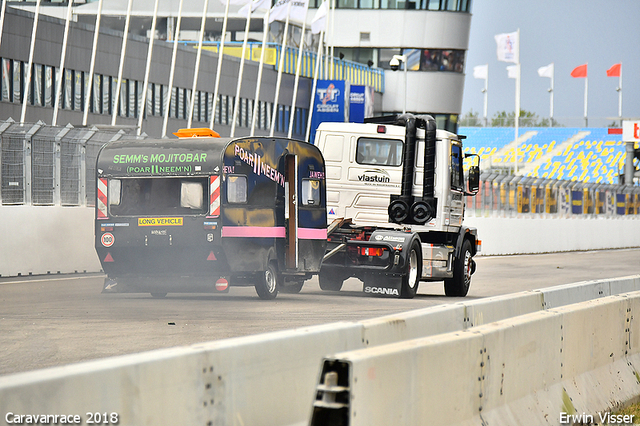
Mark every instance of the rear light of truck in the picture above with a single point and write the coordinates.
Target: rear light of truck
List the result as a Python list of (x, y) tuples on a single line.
[(382, 129), (371, 251)]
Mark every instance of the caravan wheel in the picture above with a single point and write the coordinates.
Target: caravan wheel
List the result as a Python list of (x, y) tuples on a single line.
[(268, 282)]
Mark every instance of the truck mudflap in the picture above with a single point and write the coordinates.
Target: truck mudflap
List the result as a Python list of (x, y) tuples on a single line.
[(382, 285)]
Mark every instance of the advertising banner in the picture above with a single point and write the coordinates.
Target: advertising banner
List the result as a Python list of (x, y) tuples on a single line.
[(331, 103), (360, 103)]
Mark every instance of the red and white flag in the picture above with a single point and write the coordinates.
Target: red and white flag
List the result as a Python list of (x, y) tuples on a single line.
[(615, 70), (579, 71)]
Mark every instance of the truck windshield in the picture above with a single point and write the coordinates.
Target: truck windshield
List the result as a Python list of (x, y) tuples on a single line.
[(381, 152), (157, 196)]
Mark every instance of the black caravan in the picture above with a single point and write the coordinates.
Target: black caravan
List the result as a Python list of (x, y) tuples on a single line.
[(201, 213)]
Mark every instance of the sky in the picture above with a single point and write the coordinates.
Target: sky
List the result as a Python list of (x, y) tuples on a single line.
[(568, 33)]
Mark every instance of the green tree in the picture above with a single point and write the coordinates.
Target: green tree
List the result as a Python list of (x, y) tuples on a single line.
[(526, 119), (471, 119)]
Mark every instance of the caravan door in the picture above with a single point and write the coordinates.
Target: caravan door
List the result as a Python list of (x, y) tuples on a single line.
[(291, 210)]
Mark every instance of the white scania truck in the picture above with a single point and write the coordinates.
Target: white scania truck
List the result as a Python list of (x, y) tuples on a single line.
[(395, 201)]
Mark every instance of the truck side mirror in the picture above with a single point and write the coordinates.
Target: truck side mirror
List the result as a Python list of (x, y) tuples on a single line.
[(474, 180), (473, 174)]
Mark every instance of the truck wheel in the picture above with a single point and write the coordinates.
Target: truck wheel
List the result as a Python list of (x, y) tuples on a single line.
[(292, 288), (268, 283), (458, 286), (411, 278), (330, 281)]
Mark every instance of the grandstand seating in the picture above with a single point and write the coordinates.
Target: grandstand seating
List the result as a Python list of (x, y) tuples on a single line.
[(554, 153)]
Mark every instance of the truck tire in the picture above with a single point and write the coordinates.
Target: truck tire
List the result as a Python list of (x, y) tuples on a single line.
[(268, 282), (458, 286), (411, 278), (330, 281)]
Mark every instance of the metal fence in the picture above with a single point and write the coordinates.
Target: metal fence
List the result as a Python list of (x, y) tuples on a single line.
[(51, 165), (506, 195)]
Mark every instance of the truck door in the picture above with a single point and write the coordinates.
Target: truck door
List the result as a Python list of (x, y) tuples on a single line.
[(291, 210), (457, 186)]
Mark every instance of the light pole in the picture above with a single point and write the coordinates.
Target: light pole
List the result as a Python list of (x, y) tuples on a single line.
[(394, 63)]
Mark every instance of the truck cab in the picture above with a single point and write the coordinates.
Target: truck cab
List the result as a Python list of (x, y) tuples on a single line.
[(395, 192)]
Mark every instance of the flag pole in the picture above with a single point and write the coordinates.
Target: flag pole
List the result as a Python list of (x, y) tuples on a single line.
[(586, 91), (551, 98), (123, 51), (280, 69), (145, 85), (313, 88), (486, 96), (236, 106), (256, 101), (620, 95), (219, 68), (65, 38), (92, 67), (517, 115), (196, 71), (167, 102), (297, 77)]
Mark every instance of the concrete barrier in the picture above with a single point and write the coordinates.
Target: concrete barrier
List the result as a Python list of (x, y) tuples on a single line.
[(266, 380), (40, 240), (537, 369), (512, 235), (270, 379)]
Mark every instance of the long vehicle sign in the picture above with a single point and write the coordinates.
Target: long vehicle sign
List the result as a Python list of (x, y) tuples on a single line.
[(159, 221)]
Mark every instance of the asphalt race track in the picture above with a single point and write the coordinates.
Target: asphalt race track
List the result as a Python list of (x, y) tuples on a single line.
[(56, 320)]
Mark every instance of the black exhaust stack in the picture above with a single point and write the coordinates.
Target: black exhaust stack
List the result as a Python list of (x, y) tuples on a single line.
[(405, 209)]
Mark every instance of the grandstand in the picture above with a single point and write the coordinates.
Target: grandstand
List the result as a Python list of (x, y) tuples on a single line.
[(576, 154)]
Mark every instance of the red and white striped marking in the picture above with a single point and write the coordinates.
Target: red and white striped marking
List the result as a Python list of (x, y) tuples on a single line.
[(214, 196), (102, 198)]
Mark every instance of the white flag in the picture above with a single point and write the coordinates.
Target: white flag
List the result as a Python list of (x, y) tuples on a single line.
[(297, 10), (546, 71), (319, 21), (263, 5), (481, 71), (512, 71), (508, 47)]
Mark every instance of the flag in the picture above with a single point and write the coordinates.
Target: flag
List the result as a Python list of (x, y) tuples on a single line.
[(319, 21), (512, 71), (255, 5), (297, 10), (579, 72), (615, 70), (546, 71), (507, 47), (481, 71)]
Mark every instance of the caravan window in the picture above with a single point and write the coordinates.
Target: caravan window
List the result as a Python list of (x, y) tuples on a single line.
[(379, 152), (236, 189), (310, 192), (157, 196)]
